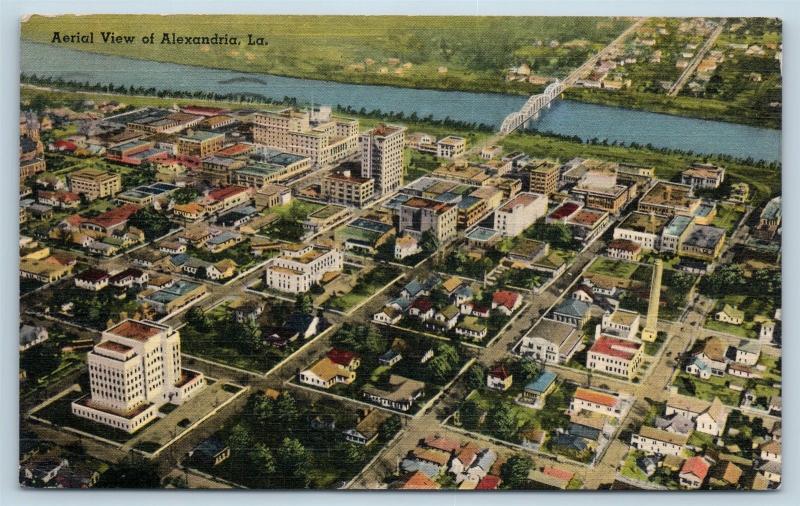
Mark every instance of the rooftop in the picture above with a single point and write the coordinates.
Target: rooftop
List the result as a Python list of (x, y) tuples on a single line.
[(644, 223), (134, 329), (612, 346)]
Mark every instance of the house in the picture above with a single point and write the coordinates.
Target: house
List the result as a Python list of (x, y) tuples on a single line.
[(648, 464), (537, 390), (771, 451), (30, 336), (747, 352), (694, 472), (480, 467), (389, 315), (624, 249), (653, 440), (347, 359), (92, 279), (406, 246), (506, 301), (730, 314), (472, 327), (326, 373), (552, 477), (587, 399), (489, 482), (390, 358), (448, 316), (129, 277), (499, 378), (583, 293), (571, 311), (366, 430), (400, 394), (42, 469), (711, 360), (728, 473), (709, 418), (418, 481), (211, 452), (442, 443), (305, 325), (246, 310), (422, 308)]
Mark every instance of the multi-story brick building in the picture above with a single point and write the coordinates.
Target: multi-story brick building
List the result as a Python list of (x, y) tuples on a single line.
[(95, 183), (382, 157)]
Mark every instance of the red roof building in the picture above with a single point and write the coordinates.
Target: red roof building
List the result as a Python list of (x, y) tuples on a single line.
[(489, 482), (341, 357), (419, 481), (506, 299), (442, 443), (696, 466)]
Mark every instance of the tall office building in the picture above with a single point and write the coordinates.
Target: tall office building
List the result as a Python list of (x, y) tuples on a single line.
[(650, 331), (134, 370), (382, 157)]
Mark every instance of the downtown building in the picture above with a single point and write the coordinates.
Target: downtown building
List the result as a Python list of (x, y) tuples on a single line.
[(324, 140), (300, 266), (133, 371), (382, 157)]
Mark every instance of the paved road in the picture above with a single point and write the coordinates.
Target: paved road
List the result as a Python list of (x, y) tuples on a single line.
[(688, 72)]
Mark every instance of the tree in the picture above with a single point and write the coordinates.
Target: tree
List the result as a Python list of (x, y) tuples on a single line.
[(304, 304), (475, 376), (530, 369), (286, 409), (389, 428), (41, 360), (515, 471), (439, 367), (240, 440), (132, 472), (470, 415), (184, 195), (373, 341), (196, 318), (501, 421), (292, 461), (262, 459), (151, 222)]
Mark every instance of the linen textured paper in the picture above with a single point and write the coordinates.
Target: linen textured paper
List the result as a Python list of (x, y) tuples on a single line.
[(403, 252)]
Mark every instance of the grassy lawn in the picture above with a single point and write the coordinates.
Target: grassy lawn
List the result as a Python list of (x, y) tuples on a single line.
[(701, 439), (614, 268), (752, 306), (729, 328), (708, 389), (366, 287), (727, 217), (630, 469), (60, 414)]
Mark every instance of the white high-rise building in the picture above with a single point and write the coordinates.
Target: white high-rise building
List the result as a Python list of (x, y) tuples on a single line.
[(134, 370), (382, 157)]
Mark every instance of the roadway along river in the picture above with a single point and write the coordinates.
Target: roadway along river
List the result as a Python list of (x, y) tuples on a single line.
[(564, 117)]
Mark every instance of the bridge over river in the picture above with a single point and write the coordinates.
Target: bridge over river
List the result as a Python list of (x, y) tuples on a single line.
[(534, 105)]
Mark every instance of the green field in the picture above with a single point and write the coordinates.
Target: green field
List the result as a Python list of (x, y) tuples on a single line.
[(387, 50)]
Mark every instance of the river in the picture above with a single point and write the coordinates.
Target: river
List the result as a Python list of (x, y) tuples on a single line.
[(565, 117)]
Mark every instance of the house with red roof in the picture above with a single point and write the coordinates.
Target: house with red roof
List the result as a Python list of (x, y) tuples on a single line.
[(587, 399), (506, 301), (106, 223), (347, 359), (418, 481), (227, 197), (693, 472), (63, 146), (442, 443), (92, 279), (422, 308), (499, 378), (614, 356), (489, 482)]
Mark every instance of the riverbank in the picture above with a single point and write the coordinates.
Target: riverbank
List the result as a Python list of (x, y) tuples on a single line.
[(764, 178), (683, 106)]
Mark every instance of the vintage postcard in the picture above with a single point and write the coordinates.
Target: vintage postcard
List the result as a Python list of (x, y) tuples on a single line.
[(400, 252)]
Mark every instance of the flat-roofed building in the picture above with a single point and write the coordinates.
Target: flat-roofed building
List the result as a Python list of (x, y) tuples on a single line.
[(324, 218), (603, 193), (343, 188), (587, 224), (420, 215), (668, 199), (134, 370), (272, 195), (543, 177), (324, 143), (550, 342), (703, 242), (471, 210), (95, 183), (674, 233), (177, 296), (703, 175), (621, 322), (200, 143), (382, 157), (463, 172), (642, 228), (300, 266), (451, 147), (519, 213), (217, 170)]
